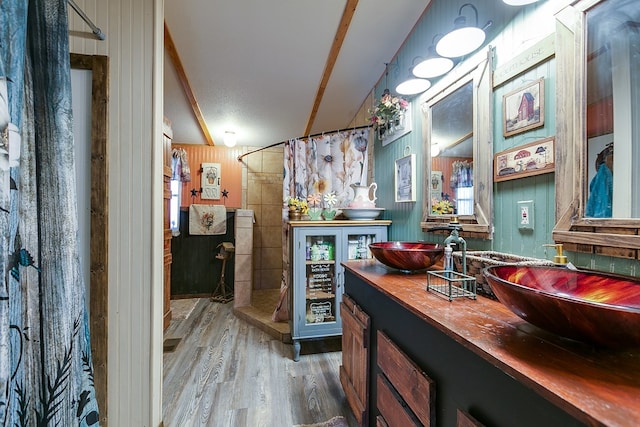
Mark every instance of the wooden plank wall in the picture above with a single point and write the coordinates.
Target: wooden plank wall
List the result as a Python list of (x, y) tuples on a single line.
[(133, 43)]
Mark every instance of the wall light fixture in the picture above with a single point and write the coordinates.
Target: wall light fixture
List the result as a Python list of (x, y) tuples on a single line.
[(463, 39), (518, 2), (433, 65), (413, 86)]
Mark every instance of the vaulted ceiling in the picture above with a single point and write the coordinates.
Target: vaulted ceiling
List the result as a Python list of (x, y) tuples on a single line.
[(273, 70)]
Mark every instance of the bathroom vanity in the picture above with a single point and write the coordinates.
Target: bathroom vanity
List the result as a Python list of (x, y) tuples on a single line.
[(470, 362)]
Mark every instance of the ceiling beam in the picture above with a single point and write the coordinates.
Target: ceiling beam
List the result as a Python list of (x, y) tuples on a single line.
[(341, 33), (184, 81)]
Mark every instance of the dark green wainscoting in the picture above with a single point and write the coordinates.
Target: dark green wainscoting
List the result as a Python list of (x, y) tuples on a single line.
[(195, 270)]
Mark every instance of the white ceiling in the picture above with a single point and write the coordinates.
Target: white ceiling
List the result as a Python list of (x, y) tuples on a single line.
[(255, 66)]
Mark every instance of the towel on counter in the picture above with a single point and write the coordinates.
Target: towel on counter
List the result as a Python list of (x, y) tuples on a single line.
[(207, 219)]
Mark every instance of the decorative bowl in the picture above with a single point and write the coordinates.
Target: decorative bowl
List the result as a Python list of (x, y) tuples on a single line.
[(407, 256), (362, 214), (592, 307)]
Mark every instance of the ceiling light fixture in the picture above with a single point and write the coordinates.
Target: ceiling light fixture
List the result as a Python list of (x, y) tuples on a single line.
[(434, 65), (229, 138), (463, 39)]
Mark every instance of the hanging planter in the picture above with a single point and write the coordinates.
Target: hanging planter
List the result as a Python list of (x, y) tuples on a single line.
[(388, 114)]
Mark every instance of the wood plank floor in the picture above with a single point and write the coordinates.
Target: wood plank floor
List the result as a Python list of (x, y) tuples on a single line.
[(226, 372)]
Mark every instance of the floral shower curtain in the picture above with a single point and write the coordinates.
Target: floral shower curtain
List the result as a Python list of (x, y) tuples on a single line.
[(323, 165), (46, 374), (326, 164)]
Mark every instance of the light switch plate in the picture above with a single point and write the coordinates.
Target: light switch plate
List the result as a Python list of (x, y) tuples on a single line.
[(525, 215)]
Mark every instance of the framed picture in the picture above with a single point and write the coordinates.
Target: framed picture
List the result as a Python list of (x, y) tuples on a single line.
[(211, 173), (526, 160), (405, 179), (523, 109)]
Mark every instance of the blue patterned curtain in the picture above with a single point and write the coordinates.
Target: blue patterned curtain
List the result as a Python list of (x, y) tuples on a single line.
[(46, 374)]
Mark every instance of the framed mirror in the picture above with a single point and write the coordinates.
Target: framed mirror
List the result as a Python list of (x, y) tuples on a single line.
[(458, 148), (598, 130)]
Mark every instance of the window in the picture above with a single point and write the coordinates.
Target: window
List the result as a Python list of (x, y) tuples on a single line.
[(174, 209)]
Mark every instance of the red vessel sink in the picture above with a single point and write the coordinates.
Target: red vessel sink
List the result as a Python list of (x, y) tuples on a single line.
[(407, 256), (597, 308)]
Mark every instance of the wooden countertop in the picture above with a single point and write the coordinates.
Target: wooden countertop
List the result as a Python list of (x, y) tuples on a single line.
[(596, 386)]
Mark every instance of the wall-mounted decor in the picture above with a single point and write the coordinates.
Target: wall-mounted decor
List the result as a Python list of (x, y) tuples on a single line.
[(435, 185), (526, 160), (526, 60), (211, 175), (523, 109), (405, 179), (400, 127)]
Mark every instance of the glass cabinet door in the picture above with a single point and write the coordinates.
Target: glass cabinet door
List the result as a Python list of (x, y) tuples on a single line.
[(321, 279), (358, 244)]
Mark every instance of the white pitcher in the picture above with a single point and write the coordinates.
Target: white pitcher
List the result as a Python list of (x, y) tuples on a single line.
[(364, 197)]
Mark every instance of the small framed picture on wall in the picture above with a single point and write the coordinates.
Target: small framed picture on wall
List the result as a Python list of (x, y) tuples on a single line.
[(523, 109), (405, 179)]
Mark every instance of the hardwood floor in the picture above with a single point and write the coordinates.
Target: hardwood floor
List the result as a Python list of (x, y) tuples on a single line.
[(226, 372)]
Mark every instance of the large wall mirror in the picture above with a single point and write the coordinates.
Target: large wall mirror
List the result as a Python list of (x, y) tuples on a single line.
[(458, 153), (598, 135)]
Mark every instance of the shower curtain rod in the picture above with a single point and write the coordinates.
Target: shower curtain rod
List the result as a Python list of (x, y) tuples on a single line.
[(301, 137), (96, 31)]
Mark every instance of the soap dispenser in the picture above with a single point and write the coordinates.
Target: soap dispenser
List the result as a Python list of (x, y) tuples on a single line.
[(448, 258), (559, 258)]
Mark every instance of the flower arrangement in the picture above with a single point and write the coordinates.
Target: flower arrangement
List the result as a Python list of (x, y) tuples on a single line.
[(298, 204), (441, 207), (387, 109)]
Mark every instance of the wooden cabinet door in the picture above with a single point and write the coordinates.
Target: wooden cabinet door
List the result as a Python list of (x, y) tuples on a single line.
[(355, 358), (408, 381)]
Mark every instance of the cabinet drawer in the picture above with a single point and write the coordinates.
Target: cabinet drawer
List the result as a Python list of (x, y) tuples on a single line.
[(413, 385), (390, 405)]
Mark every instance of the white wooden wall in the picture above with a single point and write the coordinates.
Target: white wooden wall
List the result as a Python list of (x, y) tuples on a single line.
[(134, 45)]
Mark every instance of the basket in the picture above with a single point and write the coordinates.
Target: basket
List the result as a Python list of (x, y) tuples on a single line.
[(451, 284), (479, 260)]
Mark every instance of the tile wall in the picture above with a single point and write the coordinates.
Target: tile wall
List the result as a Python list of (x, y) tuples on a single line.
[(264, 197)]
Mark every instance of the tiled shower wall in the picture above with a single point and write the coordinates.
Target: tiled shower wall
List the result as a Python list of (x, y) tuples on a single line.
[(264, 197)]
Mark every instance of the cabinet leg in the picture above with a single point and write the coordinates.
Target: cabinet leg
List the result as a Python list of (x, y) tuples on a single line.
[(296, 350)]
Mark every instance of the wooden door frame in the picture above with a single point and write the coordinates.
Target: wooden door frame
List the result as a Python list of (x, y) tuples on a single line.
[(98, 245)]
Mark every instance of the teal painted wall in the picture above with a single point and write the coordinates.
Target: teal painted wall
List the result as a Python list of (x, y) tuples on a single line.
[(508, 39)]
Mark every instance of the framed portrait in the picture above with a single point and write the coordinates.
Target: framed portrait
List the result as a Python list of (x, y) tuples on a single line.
[(405, 179), (526, 160), (523, 109)]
